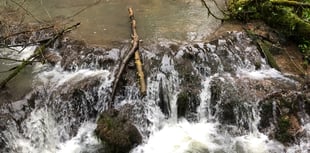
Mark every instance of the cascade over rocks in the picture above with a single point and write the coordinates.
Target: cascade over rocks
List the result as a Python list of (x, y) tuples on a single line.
[(77, 54), (283, 113), (75, 100), (231, 97)]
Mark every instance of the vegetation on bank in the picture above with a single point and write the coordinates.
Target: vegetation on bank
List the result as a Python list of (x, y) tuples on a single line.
[(291, 18)]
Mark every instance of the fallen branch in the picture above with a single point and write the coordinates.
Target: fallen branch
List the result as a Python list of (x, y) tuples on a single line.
[(140, 73), (37, 53), (134, 48), (290, 3)]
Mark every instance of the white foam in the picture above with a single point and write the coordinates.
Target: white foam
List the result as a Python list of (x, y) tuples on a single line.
[(252, 143), (178, 138), (84, 138), (260, 74), (58, 77), (22, 53)]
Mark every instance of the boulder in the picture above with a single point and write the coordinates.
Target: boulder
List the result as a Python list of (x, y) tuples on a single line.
[(117, 133)]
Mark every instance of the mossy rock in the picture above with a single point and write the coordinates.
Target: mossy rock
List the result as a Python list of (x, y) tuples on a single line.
[(265, 48), (117, 133), (282, 133)]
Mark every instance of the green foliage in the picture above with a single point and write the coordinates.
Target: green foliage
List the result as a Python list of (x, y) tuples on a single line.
[(304, 47), (244, 10), (291, 20), (306, 14)]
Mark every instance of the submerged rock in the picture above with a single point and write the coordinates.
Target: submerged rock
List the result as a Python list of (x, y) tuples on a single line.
[(118, 133)]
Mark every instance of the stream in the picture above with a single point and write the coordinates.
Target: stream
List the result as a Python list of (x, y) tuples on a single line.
[(107, 22), (230, 91)]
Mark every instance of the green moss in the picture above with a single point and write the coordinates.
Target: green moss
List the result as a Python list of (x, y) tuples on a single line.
[(257, 65), (304, 47), (285, 19), (265, 48), (109, 122), (282, 134)]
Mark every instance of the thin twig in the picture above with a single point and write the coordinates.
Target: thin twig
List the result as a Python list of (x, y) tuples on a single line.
[(210, 12), (28, 12), (83, 9), (45, 10)]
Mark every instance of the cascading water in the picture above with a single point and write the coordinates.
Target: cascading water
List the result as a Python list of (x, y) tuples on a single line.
[(230, 77), (201, 98)]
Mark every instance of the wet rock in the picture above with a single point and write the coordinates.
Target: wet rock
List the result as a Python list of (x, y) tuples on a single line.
[(233, 99), (52, 57), (164, 101), (74, 102), (224, 101), (118, 133), (77, 54), (5, 96), (187, 103), (190, 80), (12, 115)]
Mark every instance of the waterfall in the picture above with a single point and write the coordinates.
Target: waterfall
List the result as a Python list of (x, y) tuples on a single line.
[(228, 77)]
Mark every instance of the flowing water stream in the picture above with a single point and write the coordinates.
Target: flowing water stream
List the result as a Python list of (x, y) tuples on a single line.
[(228, 77), (106, 21)]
